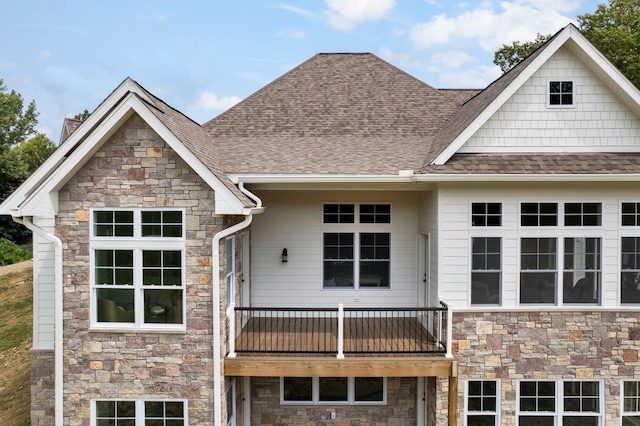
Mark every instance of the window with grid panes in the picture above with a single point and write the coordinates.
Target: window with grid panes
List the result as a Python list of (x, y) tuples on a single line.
[(138, 268), (482, 404)]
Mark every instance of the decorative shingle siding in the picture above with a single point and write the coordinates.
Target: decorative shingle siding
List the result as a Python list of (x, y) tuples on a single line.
[(598, 121), (135, 168)]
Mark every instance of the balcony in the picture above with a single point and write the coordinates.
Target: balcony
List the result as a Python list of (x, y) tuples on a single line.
[(339, 331)]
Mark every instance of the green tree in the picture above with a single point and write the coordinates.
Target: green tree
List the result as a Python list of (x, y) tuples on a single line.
[(17, 124), (615, 31), (34, 151), (509, 55), (82, 116)]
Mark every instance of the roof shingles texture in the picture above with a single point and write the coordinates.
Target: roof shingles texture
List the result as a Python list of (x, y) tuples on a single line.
[(335, 113)]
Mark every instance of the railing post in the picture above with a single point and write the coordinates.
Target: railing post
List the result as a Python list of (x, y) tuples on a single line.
[(231, 317), (449, 330), (340, 331)]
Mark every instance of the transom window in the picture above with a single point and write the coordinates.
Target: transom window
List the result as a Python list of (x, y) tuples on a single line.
[(561, 93), (630, 403), (539, 214), (486, 214), (138, 268), (356, 254), (486, 274), (133, 412), (570, 402), (482, 402), (630, 214), (582, 214), (333, 390)]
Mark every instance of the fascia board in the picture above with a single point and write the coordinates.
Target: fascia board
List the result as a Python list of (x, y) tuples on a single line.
[(38, 177), (506, 178), (501, 99), (318, 178)]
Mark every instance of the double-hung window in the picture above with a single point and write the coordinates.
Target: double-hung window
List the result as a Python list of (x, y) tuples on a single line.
[(630, 253), (558, 269), (137, 273), (486, 253), (333, 390), (356, 245), (568, 403), (131, 412), (630, 403), (482, 402)]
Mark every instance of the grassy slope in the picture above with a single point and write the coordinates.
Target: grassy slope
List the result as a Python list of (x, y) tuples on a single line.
[(15, 341)]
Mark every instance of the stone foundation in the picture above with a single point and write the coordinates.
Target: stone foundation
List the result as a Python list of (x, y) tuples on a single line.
[(543, 345), (42, 387), (400, 409)]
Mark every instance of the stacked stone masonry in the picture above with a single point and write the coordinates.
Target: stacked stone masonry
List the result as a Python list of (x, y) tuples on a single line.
[(510, 346)]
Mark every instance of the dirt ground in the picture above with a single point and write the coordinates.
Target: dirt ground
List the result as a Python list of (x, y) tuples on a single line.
[(16, 267)]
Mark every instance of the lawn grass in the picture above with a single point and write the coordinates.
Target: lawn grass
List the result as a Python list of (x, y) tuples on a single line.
[(15, 342)]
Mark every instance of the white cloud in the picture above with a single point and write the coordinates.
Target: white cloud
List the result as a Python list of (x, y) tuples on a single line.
[(452, 58), (517, 20), (44, 54), (295, 9), (346, 14), (208, 100), (291, 33), (477, 78)]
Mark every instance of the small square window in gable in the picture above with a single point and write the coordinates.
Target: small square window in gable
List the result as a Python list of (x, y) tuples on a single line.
[(561, 93)]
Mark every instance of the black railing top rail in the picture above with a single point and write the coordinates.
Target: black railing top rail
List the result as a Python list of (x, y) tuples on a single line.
[(349, 309)]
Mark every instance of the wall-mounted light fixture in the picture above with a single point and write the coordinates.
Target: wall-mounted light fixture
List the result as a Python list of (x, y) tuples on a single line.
[(285, 255)]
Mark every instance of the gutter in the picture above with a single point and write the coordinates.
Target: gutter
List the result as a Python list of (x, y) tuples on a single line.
[(215, 297), (58, 301)]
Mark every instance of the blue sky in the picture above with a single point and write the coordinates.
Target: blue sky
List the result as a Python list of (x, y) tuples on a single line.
[(203, 56)]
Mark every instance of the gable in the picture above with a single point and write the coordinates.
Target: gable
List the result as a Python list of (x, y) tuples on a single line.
[(598, 122)]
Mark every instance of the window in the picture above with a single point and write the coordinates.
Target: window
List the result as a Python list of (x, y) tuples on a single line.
[(570, 403), (582, 214), (486, 214), (630, 269), (132, 412), (355, 253), (630, 214), (539, 214), (333, 390), (538, 270), (137, 268), (482, 403), (486, 270), (230, 274), (630, 403), (561, 93), (581, 270)]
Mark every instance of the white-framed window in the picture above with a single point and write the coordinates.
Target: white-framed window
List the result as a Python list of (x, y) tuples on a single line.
[(137, 268), (133, 412), (486, 214), (356, 246), (230, 272), (555, 402), (560, 260), (630, 402), (482, 402), (333, 390), (486, 270), (629, 270), (561, 93), (630, 214)]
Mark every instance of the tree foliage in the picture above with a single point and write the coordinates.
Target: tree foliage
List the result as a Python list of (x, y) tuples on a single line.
[(82, 116), (22, 150), (509, 55), (11, 253), (615, 31)]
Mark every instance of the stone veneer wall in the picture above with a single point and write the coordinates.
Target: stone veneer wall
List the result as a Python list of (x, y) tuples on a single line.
[(543, 345), (42, 387), (135, 168), (400, 409)]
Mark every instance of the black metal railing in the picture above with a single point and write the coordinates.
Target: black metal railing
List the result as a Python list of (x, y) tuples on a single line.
[(340, 331)]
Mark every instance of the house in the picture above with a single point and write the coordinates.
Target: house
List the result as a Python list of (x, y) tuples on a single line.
[(346, 246)]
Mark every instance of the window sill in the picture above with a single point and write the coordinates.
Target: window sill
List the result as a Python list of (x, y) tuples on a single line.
[(112, 329)]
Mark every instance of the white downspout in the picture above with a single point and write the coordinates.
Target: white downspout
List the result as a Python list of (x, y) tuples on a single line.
[(57, 321), (215, 296)]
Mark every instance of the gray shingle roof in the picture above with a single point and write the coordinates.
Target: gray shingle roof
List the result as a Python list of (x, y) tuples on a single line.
[(335, 113)]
